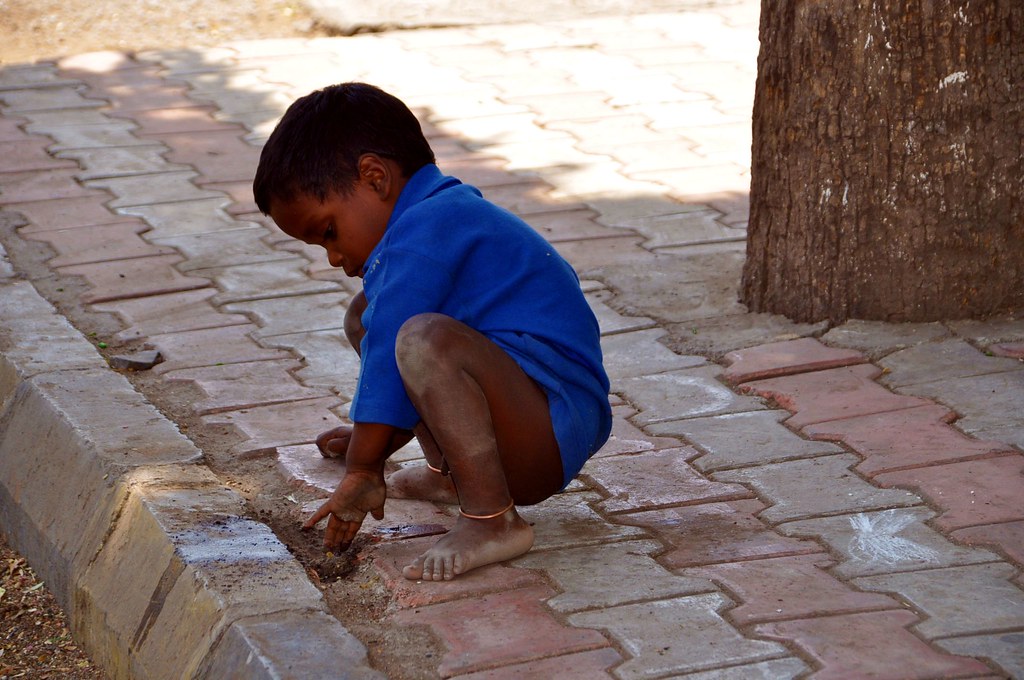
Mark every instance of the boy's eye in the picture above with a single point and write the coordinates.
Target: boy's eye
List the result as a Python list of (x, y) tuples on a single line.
[(329, 232)]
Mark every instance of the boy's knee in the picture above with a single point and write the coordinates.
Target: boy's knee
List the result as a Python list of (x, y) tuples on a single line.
[(423, 341)]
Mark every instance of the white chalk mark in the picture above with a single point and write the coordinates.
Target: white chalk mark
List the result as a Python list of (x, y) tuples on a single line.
[(955, 77), (876, 539)]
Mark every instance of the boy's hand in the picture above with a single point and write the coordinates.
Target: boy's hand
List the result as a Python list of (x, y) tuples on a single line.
[(358, 493), (334, 443)]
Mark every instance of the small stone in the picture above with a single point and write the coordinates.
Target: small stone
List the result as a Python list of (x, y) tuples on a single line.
[(138, 361)]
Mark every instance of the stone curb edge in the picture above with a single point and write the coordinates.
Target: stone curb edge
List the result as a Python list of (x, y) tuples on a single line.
[(159, 571)]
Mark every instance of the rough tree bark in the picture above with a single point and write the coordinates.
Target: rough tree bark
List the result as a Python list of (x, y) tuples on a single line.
[(887, 167)]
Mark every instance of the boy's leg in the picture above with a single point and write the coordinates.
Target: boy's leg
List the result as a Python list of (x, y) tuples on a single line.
[(492, 423), (423, 483)]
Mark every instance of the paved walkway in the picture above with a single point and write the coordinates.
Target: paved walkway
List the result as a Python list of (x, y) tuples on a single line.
[(777, 499)]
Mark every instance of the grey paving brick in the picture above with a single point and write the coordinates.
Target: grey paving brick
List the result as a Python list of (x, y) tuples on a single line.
[(957, 600), (266, 648), (1006, 650), (612, 321), (329, 359), (888, 541), (608, 575), (985, 332), (31, 76), (743, 439), (637, 353), (264, 280), (47, 99), (944, 360), (199, 216), (119, 161), (825, 485), (776, 669), (567, 520), (143, 190), (117, 133), (238, 243), (877, 338), (676, 636), (689, 393), (296, 314)]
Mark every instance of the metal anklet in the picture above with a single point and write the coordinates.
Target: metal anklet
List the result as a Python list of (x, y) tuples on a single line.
[(492, 516), (433, 469)]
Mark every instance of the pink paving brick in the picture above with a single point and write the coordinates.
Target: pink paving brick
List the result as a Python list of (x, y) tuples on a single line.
[(42, 185), (656, 479), (30, 154), (210, 347), (220, 156), (904, 439), (136, 278), (1006, 537), (833, 394), (245, 385), (184, 311), (100, 243), (870, 645), (499, 629), (175, 120), (581, 666), (390, 558), (788, 587), (10, 129), (138, 89), (264, 428), (1014, 350), (571, 225), (786, 358), (242, 201), (973, 492), (713, 533), (65, 213)]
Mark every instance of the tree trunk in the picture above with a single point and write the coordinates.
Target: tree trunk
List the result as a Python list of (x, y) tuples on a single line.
[(887, 167)]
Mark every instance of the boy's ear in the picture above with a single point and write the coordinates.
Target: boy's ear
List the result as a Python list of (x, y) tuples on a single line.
[(375, 173)]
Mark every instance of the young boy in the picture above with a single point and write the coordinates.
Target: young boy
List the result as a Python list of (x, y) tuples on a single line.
[(473, 333)]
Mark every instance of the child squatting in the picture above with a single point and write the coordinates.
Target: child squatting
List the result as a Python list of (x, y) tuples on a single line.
[(473, 333)]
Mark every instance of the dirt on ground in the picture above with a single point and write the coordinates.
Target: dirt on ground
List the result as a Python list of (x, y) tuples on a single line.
[(37, 30)]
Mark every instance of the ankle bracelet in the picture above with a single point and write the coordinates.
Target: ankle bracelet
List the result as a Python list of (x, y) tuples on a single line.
[(433, 469), (491, 516)]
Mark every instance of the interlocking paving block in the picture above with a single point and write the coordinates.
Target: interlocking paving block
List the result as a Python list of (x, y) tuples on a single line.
[(610, 320), (101, 243), (591, 665), (391, 557), (786, 588), (953, 358), (904, 439), (266, 427), (589, 254), (567, 520), (570, 225), (776, 669), (156, 314), (192, 216), (64, 213), (499, 629), (303, 465), (832, 394), (871, 644), (219, 156), (155, 122), (241, 244), (675, 636), (134, 191), (957, 600), (1007, 537), (119, 161), (688, 393), (134, 278), (41, 185), (210, 347), (656, 479), (786, 358), (1006, 650), (6, 270), (884, 542), (113, 133), (47, 99), (970, 492), (612, 574), (244, 385), (263, 280), (989, 405), (329, 359), (626, 438), (713, 533), (266, 648), (878, 338), (29, 153), (799, 489), (1014, 350), (1003, 328), (301, 313), (637, 353), (742, 439)]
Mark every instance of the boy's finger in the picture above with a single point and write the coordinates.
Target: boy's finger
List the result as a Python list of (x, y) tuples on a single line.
[(317, 516)]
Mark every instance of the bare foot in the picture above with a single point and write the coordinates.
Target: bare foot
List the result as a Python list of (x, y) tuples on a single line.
[(470, 544), (421, 483)]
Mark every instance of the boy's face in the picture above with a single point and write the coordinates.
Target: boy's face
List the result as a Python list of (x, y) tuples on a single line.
[(348, 227)]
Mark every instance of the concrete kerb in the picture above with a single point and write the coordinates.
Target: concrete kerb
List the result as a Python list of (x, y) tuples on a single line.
[(161, 574)]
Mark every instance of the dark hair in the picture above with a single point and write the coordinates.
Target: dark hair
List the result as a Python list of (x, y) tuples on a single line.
[(315, 148)]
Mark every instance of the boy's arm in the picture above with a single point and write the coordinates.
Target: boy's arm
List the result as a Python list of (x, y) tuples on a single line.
[(362, 488)]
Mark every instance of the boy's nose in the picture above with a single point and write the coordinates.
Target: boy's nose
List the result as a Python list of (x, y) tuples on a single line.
[(334, 259)]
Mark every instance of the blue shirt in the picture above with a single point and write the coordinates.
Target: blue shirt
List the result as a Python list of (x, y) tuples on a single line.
[(448, 250)]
